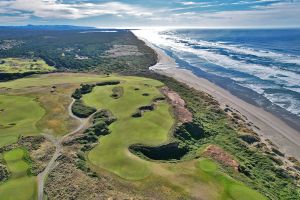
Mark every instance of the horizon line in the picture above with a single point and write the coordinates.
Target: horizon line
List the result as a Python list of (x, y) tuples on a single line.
[(160, 27)]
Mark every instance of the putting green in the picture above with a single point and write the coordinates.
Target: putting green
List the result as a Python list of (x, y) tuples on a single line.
[(152, 128), (231, 189), (20, 186), (16, 165), (18, 116)]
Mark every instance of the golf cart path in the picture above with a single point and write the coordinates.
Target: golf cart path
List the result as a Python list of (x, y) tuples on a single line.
[(57, 142)]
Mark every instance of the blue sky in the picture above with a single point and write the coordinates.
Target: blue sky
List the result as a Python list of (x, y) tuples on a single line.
[(153, 13)]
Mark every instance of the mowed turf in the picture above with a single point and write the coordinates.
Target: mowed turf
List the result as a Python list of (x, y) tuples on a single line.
[(20, 186), (53, 79), (230, 189), (21, 65), (15, 163), (18, 116), (152, 128)]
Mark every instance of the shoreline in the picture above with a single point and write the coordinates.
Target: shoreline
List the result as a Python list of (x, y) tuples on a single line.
[(270, 127)]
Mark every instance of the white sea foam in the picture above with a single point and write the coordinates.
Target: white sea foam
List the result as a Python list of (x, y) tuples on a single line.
[(274, 75), (284, 58), (285, 101)]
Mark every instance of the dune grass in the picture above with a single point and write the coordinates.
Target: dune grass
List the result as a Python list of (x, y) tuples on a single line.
[(21, 65), (151, 129), (230, 189), (20, 186), (18, 116)]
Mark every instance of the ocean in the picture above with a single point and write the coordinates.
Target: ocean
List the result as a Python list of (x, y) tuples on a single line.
[(261, 67)]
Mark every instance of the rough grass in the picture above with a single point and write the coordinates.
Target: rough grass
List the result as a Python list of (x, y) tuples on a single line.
[(151, 129), (230, 189), (20, 65), (18, 116), (57, 120), (20, 186)]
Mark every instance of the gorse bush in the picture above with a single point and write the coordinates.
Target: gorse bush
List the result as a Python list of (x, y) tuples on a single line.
[(79, 109)]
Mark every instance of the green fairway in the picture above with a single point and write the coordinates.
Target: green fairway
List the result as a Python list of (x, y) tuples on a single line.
[(20, 65), (20, 186), (52, 79), (18, 116), (231, 189), (151, 129)]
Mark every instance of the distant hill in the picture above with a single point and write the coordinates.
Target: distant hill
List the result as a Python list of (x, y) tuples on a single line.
[(48, 27)]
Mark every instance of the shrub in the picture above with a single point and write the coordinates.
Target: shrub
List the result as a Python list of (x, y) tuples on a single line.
[(104, 115), (4, 173), (81, 110), (86, 88), (100, 128), (250, 139), (108, 83), (77, 94)]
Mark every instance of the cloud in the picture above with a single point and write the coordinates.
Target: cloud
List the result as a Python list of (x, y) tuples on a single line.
[(276, 14), (188, 3), (19, 18), (56, 9), (179, 13)]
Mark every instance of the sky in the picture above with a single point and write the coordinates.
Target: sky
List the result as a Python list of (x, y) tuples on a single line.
[(153, 13)]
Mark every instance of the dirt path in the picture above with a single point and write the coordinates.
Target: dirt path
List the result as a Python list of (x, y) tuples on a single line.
[(57, 142)]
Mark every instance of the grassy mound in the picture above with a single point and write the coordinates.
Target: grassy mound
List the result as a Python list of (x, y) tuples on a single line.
[(20, 186), (18, 117), (151, 129)]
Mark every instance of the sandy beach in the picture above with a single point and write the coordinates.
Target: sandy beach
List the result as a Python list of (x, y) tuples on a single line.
[(269, 126)]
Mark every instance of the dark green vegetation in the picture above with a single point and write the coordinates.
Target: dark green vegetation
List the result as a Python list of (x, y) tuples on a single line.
[(211, 126), (80, 50), (170, 151), (81, 110)]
